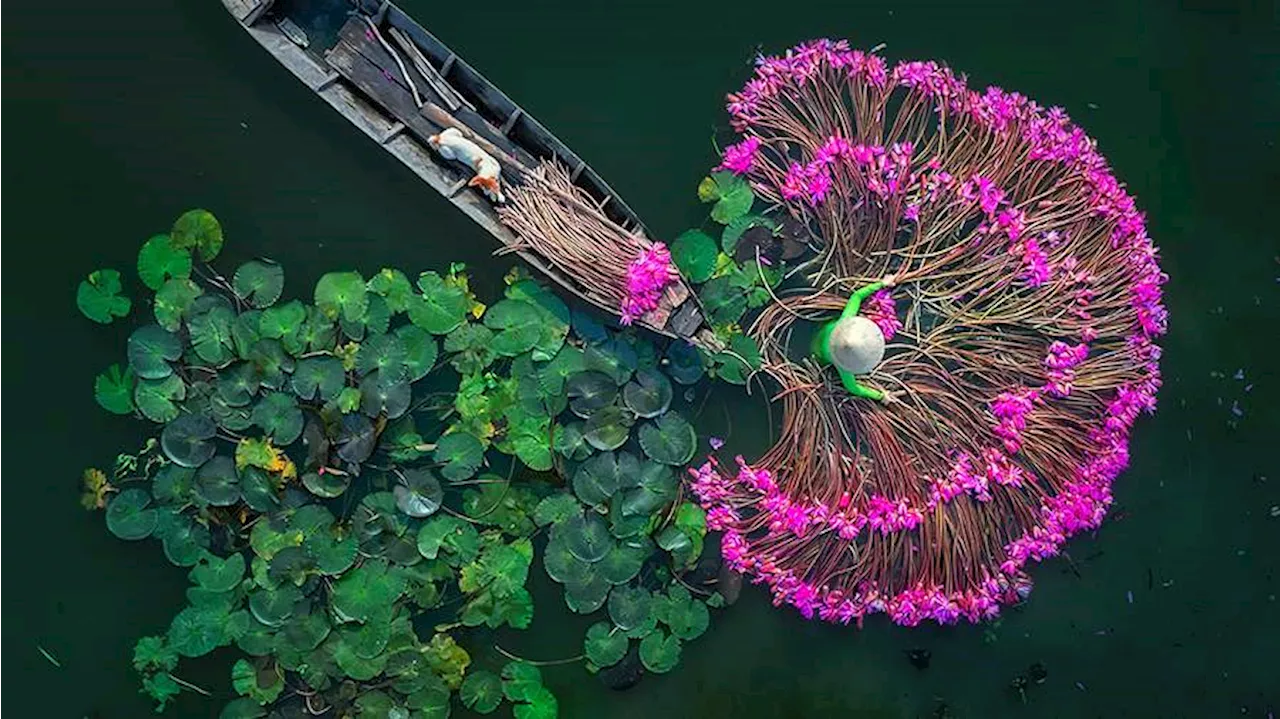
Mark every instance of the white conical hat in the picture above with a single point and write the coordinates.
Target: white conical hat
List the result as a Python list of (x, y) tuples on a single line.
[(856, 345)]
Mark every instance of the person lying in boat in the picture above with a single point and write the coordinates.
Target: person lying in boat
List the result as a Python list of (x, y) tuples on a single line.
[(453, 145), (855, 345)]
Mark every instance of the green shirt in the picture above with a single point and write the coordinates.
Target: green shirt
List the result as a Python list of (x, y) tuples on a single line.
[(822, 342)]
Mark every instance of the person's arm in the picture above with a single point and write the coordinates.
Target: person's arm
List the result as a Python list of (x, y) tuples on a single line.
[(855, 302), (851, 384)]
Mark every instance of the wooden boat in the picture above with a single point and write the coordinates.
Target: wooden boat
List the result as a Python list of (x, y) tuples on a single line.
[(399, 84)]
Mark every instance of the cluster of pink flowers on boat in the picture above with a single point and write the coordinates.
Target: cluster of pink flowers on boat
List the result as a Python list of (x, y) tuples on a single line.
[(740, 157), (647, 276)]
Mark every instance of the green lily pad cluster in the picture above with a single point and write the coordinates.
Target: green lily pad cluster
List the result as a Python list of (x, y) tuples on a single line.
[(328, 471)]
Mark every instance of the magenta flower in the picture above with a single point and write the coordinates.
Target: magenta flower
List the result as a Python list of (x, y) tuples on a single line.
[(647, 277), (738, 158)]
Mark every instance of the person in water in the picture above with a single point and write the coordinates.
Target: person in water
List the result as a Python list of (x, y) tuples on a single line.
[(854, 345)]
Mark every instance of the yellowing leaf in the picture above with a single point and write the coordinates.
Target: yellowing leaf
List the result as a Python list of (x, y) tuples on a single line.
[(96, 489)]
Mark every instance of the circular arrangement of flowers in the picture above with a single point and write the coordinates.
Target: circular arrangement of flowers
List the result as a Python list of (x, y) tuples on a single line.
[(1020, 337)]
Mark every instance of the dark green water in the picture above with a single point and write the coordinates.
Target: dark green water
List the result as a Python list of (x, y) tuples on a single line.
[(118, 119)]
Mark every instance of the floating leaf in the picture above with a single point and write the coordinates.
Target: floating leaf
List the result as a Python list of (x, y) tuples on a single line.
[(459, 539), (198, 229), (562, 566), (669, 439), (588, 596), (421, 351), (590, 392), (197, 631), (555, 508), (318, 378), (184, 540), (734, 197), (326, 484), (113, 390), (262, 687), (278, 415), (259, 282), (586, 537), (624, 560), (356, 439), (385, 392), (519, 680), (688, 618), (741, 359), (160, 260), (553, 317), (342, 295), (649, 394), (614, 357), (154, 654), (187, 440), (540, 703), (242, 708), (217, 482), (470, 346), (683, 362), (694, 252), (173, 300), (599, 477), (420, 495), (568, 441), (392, 285), (151, 349), (461, 453), (630, 607), (283, 321), (211, 333), (481, 691), (517, 327), (441, 308), (608, 428), (217, 574), (99, 298), (568, 361), (128, 516), (385, 354), (274, 607), (659, 653), (363, 591), (604, 645), (156, 398)]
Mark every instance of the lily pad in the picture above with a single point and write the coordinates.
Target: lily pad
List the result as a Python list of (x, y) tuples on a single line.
[(737, 364), (217, 482), (604, 645), (173, 300), (441, 307), (237, 384), (520, 680), (458, 539), (420, 494), (385, 354), (342, 295), (586, 597), (421, 351), (614, 357), (285, 320), (481, 691), (188, 440), (669, 439), (113, 390), (326, 484), (553, 317), (599, 477), (128, 516), (567, 439), (257, 489), (567, 362), (688, 618), (461, 453), (555, 508), (608, 428), (539, 703), (99, 298), (659, 653), (273, 364), (694, 252), (629, 607), (590, 392), (394, 286), (198, 229), (151, 349), (683, 362), (259, 282), (385, 392), (733, 197), (356, 439), (586, 537), (516, 325), (470, 346), (261, 686), (156, 398), (624, 560), (160, 260), (363, 591), (197, 631), (649, 394), (273, 607), (562, 566), (217, 574), (318, 378), (279, 416), (184, 540), (211, 333)]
